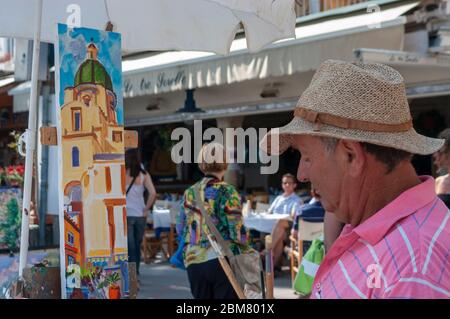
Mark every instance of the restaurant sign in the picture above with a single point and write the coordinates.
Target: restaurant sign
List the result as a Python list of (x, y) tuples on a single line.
[(154, 82)]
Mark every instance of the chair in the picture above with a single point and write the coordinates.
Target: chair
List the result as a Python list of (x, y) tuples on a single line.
[(151, 244), (161, 204), (246, 207), (261, 207), (262, 198), (307, 231)]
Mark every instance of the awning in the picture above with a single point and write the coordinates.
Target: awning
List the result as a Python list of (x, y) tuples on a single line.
[(242, 110), (21, 97), (6, 80), (425, 74), (314, 43), (6, 84)]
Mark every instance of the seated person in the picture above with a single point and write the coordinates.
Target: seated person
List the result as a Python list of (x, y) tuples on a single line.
[(311, 212), (287, 203)]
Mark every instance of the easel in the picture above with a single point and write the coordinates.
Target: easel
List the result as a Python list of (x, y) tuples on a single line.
[(269, 276), (269, 268), (226, 268), (49, 137)]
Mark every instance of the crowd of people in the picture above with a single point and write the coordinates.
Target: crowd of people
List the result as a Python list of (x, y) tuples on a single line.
[(354, 131)]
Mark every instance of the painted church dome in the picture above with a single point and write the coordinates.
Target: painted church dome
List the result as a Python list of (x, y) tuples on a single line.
[(92, 71)]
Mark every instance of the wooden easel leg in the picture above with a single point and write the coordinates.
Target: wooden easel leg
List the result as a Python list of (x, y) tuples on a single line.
[(269, 268), (229, 272)]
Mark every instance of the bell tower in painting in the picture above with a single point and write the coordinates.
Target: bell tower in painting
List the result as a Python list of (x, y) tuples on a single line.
[(92, 141)]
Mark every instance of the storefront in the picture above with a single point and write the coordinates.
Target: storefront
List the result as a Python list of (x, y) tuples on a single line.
[(10, 122), (260, 90)]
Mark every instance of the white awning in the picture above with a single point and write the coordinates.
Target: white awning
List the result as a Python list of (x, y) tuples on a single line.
[(6, 81), (21, 97), (314, 43), (242, 110), (6, 84)]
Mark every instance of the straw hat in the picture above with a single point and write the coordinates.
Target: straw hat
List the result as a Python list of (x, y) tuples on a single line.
[(364, 102)]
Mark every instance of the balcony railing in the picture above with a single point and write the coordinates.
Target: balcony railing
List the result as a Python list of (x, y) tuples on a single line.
[(307, 7)]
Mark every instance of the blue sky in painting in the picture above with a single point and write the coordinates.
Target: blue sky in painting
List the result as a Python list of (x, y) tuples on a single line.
[(73, 51)]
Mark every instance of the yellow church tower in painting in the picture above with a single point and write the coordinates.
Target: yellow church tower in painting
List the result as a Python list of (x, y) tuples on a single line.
[(94, 169)]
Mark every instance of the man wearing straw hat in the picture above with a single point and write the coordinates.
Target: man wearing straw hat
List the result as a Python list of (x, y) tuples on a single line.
[(354, 130)]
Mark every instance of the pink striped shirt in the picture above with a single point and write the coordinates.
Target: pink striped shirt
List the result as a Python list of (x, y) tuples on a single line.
[(399, 252)]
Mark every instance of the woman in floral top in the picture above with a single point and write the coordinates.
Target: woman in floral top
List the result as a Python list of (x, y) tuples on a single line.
[(222, 202)]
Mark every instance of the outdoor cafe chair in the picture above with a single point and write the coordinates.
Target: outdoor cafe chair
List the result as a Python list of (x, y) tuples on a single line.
[(163, 241), (161, 204), (307, 231), (262, 207)]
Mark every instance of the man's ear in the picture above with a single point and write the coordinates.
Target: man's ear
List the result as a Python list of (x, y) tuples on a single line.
[(353, 154)]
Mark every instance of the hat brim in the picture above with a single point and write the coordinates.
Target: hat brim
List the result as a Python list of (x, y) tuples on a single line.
[(278, 140)]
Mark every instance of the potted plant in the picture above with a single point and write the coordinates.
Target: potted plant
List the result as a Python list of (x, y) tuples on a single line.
[(15, 175), (92, 279), (113, 287)]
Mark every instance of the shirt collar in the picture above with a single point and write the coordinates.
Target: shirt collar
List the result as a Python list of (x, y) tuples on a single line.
[(375, 227)]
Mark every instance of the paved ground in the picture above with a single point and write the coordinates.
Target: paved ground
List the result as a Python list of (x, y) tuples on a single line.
[(159, 280)]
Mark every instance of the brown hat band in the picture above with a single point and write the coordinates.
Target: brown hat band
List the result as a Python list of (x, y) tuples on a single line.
[(342, 122)]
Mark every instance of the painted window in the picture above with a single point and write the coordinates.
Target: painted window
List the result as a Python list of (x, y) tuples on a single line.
[(76, 119), (70, 239), (75, 157), (70, 260), (117, 136), (75, 194), (108, 179), (124, 220), (123, 178), (87, 100)]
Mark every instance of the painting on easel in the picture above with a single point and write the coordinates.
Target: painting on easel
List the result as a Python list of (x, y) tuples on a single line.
[(91, 164)]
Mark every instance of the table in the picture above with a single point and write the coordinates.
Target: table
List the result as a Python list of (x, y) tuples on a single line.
[(161, 218), (263, 222)]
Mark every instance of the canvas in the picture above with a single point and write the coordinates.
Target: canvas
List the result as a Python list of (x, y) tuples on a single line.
[(91, 164), (9, 266)]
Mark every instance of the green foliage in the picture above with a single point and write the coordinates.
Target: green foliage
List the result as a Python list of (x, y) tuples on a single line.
[(164, 139), (113, 278), (11, 225)]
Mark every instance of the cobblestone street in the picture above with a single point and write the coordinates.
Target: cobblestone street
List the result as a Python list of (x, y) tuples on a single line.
[(159, 280)]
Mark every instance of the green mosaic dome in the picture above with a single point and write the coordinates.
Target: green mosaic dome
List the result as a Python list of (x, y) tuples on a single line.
[(92, 71)]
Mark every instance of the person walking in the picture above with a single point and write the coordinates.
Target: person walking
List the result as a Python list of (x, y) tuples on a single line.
[(137, 181), (354, 130), (222, 202)]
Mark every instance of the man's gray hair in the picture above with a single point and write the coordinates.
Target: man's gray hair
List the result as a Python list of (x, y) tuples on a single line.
[(389, 156)]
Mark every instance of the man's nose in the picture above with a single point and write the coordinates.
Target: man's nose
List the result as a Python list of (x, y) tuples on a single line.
[(302, 174)]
